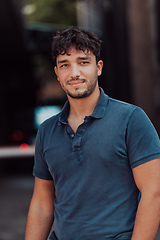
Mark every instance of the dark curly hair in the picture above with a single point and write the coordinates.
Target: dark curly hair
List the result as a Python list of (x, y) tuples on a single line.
[(79, 39)]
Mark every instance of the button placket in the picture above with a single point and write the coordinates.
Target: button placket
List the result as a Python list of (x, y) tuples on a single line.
[(76, 144), (72, 135), (76, 138)]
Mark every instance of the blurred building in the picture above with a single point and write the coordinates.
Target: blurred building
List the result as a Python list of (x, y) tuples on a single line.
[(130, 30)]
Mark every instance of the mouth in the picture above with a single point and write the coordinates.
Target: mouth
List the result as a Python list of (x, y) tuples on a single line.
[(76, 83)]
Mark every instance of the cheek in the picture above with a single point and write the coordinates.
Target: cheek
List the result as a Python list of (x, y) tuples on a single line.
[(63, 75), (89, 72), (94, 73), (62, 81)]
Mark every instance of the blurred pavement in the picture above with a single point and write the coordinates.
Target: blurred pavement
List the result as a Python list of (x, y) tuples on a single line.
[(15, 196)]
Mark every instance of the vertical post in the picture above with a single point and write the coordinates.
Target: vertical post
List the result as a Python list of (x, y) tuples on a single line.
[(90, 15), (140, 44)]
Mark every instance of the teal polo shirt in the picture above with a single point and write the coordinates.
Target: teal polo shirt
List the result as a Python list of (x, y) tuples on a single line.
[(96, 196)]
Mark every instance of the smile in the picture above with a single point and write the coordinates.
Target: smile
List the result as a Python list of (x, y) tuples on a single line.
[(76, 83)]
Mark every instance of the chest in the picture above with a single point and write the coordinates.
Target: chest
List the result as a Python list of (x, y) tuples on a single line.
[(95, 145)]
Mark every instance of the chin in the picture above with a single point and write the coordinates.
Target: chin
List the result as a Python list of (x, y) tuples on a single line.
[(79, 94)]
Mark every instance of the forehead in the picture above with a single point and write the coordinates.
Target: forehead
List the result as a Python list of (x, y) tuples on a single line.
[(74, 53)]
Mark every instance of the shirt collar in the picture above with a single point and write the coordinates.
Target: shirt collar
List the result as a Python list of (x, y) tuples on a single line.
[(97, 113), (101, 105)]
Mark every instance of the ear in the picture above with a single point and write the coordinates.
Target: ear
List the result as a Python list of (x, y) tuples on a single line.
[(99, 67), (56, 72)]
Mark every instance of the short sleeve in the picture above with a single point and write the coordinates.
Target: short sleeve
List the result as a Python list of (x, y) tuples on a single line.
[(143, 143), (40, 168)]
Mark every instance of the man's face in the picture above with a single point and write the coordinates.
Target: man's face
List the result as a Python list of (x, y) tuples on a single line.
[(78, 72)]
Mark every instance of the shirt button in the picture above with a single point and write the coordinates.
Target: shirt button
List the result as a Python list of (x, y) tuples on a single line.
[(72, 135)]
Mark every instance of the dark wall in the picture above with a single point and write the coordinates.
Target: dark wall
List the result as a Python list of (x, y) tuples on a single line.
[(16, 84), (116, 73)]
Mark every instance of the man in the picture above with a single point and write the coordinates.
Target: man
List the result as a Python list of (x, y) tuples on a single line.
[(93, 159)]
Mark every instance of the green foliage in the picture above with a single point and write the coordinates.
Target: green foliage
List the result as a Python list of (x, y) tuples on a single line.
[(52, 11)]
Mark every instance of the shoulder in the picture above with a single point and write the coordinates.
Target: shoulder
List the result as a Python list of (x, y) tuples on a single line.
[(45, 131), (121, 104), (48, 126), (132, 110), (132, 116), (121, 111), (49, 123)]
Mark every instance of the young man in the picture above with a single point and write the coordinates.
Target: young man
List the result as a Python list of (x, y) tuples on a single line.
[(93, 159)]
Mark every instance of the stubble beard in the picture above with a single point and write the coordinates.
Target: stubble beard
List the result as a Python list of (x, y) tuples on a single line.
[(78, 94)]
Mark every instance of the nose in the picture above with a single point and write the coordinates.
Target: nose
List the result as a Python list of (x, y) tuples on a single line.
[(75, 71)]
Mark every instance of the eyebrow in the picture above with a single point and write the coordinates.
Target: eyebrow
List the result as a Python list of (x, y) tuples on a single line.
[(79, 58), (62, 61), (84, 58)]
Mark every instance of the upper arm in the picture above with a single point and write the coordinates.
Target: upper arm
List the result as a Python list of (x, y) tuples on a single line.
[(142, 140), (44, 193), (147, 177)]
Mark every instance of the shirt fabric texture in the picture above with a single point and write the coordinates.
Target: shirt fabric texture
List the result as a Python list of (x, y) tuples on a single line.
[(96, 196)]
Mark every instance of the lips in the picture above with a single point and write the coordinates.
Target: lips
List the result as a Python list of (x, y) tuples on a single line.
[(76, 82)]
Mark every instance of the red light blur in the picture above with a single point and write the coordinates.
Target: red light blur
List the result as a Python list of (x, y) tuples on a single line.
[(24, 147)]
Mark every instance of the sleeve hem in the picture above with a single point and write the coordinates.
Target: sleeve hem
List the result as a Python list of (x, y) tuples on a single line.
[(144, 160), (38, 175)]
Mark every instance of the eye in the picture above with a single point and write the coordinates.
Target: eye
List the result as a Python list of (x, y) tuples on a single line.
[(64, 65), (84, 63)]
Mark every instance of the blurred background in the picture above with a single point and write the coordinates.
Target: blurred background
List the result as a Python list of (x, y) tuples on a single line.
[(30, 93)]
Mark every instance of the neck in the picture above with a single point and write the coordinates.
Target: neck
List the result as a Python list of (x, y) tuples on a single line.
[(79, 108)]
